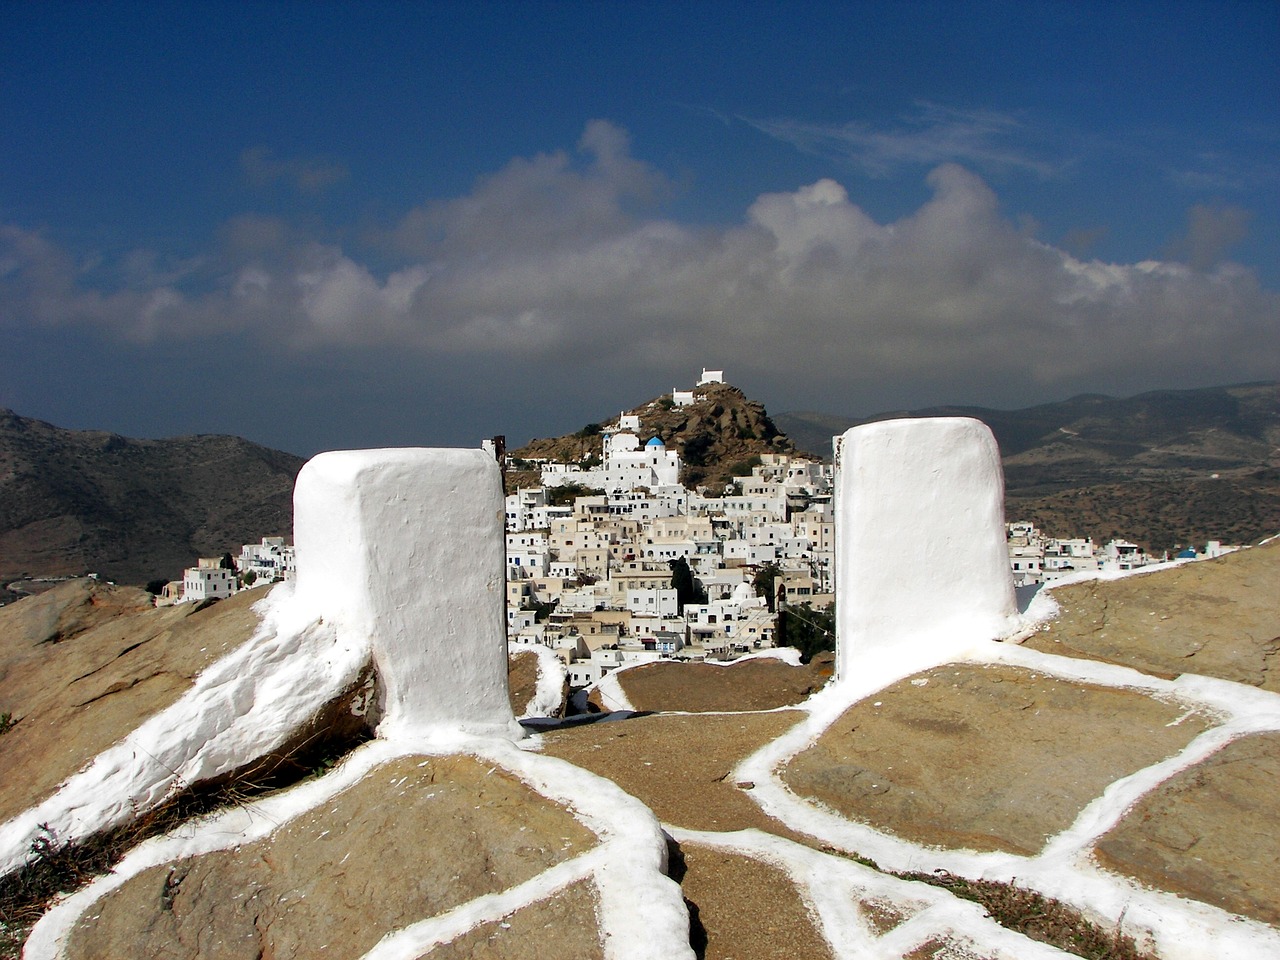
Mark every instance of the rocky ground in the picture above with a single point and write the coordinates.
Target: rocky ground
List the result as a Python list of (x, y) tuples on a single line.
[(1117, 767)]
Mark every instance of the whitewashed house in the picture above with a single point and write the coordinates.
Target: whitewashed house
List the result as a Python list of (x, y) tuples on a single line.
[(653, 602), (270, 560), (207, 582)]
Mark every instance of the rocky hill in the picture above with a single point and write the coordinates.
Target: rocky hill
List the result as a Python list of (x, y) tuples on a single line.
[(74, 501), (717, 436), (1165, 468)]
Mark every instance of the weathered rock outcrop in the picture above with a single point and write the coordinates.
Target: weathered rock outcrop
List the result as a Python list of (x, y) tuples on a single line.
[(84, 664), (716, 436), (417, 837)]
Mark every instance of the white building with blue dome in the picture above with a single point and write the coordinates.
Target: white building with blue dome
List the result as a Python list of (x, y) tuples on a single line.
[(628, 465)]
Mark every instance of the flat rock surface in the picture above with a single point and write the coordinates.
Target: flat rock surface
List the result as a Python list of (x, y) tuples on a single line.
[(680, 766), (84, 664), (1209, 832), (522, 680), (563, 927), (414, 838), (985, 758), (725, 892), (764, 683), (1216, 617)]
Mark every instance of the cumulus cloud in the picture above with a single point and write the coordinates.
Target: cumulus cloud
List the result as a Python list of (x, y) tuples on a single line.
[(1211, 232), (563, 260)]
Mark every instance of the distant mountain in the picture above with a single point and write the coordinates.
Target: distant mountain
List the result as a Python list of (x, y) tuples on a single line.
[(1141, 466), (716, 436), (74, 502)]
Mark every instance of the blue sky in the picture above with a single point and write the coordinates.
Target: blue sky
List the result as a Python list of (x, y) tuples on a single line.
[(335, 225)]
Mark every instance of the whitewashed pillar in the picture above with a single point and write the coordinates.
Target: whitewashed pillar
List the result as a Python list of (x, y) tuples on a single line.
[(404, 549), (922, 567)]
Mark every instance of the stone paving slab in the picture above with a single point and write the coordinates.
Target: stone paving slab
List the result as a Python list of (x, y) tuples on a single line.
[(765, 683), (1210, 832), (1220, 618), (985, 757), (563, 927), (725, 892), (415, 837), (522, 680), (679, 766)]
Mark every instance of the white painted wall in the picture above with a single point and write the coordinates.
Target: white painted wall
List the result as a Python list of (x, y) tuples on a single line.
[(921, 556), (405, 547)]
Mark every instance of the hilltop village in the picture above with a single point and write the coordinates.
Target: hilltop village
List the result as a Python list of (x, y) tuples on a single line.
[(613, 561)]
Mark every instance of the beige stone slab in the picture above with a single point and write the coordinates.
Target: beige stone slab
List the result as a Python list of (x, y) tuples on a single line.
[(743, 909), (562, 927), (415, 837), (1209, 833), (984, 758), (522, 680), (86, 663), (759, 684), (1220, 618), (680, 766)]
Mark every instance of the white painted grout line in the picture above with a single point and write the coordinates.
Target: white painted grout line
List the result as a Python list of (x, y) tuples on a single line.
[(1181, 929), (832, 886), (413, 941)]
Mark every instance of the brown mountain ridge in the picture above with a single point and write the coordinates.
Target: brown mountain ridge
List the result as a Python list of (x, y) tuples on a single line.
[(1166, 469), (81, 501)]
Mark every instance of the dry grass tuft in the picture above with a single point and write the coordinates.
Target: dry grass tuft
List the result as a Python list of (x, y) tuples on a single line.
[(1038, 917)]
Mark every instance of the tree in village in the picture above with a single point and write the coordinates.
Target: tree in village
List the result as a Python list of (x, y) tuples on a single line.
[(687, 589), (808, 630), (765, 583)]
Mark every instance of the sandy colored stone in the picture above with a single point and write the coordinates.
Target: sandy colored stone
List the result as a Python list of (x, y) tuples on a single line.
[(415, 837), (86, 663), (681, 766), (1209, 832), (760, 684), (1216, 617), (882, 915), (743, 909), (522, 680), (984, 758), (562, 927)]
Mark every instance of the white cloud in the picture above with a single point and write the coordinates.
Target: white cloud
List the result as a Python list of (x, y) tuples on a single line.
[(1211, 232), (931, 135), (559, 261)]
